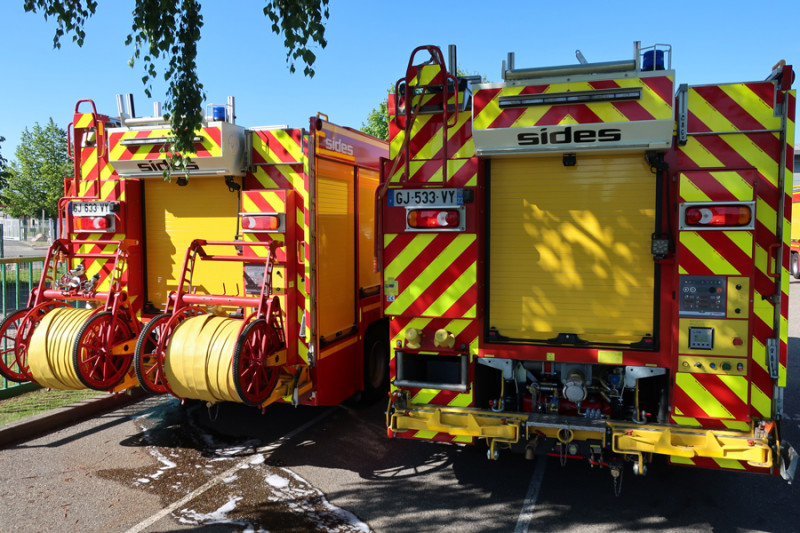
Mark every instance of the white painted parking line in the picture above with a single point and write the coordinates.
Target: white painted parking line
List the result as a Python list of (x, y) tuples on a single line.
[(269, 448), (526, 513)]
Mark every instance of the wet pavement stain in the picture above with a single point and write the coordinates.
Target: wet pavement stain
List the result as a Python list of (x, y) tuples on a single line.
[(259, 495)]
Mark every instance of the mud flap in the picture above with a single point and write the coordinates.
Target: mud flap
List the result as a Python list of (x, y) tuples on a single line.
[(789, 461)]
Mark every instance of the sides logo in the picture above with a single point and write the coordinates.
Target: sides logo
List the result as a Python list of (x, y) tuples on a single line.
[(569, 136), (339, 146), (160, 166)]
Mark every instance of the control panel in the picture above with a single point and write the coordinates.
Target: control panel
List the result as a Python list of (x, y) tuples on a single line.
[(712, 365), (703, 296)]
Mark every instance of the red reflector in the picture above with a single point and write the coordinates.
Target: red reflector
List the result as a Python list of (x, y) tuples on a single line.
[(718, 215), (260, 222), (433, 218), (92, 223)]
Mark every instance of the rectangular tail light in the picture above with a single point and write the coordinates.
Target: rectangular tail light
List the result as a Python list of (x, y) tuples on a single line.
[(712, 215), (451, 219), (262, 223), (103, 224)]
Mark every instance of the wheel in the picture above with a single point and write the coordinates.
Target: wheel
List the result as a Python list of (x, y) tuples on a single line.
[(794, 264), (253, 379), (376, 364), (146, 356), (95, 364), (10, 366)]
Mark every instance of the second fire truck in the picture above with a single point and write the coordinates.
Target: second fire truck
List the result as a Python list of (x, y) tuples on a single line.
[(589, 261)]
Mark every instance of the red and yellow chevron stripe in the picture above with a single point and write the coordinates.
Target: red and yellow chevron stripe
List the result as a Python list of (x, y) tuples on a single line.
[(209, 145), (716, 252), (435, 274), (736, 126), (655, 104), (278, 169)]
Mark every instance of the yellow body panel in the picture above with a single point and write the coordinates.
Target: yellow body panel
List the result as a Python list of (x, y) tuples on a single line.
[(367, 183), (336, 247), (174, 217), (573, 258)]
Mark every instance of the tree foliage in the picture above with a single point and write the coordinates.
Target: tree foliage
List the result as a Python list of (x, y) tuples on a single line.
[(3, 167), (170, 29), (36, 178), (377, 123)]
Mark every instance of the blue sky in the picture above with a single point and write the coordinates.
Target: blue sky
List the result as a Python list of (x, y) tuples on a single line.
[(369, 43)]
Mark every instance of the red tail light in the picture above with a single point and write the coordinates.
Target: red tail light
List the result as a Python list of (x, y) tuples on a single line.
[(718, 215), (101, 224), (433, 218), (261, 223)]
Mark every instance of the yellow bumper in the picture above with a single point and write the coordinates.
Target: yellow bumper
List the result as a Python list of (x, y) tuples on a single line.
[(678, 441), (624, 438)]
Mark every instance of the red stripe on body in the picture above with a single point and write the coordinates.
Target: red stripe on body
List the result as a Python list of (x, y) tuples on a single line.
[(406, 278), (444, 281)]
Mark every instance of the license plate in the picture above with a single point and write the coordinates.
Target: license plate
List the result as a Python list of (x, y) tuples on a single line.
[(93, 209), (426, 197)]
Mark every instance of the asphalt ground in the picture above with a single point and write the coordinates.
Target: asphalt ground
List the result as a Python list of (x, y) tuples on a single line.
[(358, 469)]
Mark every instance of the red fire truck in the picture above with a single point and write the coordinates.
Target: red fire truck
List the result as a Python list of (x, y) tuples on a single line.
[(251, 281), (590, 262), (794, 257)]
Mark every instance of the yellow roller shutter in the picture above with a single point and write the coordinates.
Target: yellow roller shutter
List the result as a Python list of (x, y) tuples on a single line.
[(569, 248), (174, 217), (336, 233)]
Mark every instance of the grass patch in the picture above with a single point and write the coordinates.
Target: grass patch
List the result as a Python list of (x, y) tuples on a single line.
[(40, 401)]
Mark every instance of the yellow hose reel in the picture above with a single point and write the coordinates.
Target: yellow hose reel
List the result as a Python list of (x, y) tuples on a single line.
[(215, 359), (75, 349)]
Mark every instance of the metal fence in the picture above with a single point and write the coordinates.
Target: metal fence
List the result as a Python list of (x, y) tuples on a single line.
[(30, 229), (19, 275)]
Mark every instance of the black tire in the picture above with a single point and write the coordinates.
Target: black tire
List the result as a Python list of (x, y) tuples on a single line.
[(376, 364), (794, 264)]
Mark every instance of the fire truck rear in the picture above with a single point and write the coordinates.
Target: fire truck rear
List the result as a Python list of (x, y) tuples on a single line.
[(590, 262), (245, 278)]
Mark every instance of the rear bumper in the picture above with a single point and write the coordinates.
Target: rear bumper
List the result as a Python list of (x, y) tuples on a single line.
[(623, 438)]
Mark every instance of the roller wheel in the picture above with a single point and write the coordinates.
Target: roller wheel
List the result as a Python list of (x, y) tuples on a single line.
[(253, 379), (95, 364), (146, 355), (9, 363)]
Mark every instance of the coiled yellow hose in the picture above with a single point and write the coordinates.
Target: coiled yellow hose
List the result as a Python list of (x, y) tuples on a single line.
[(199, 359), (51, 347)]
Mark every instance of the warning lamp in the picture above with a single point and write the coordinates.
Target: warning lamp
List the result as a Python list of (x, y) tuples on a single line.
[(103, 224), (434, 219), (262, 223), (717, 216)]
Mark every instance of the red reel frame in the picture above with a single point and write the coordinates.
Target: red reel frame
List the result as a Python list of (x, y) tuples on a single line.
[(256, 371), (97, 363), (23, 322), (151, 365)]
